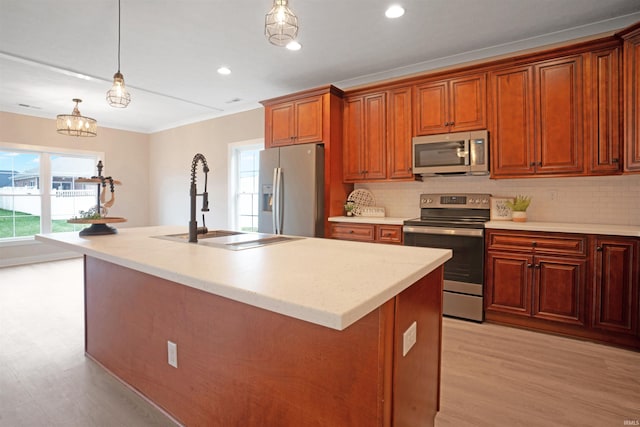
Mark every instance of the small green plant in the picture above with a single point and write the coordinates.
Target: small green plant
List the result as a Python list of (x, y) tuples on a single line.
[(519, 204), (349, 207), (91, 213)]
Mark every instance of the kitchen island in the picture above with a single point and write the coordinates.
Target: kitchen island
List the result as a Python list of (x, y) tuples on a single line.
[(312, 332)]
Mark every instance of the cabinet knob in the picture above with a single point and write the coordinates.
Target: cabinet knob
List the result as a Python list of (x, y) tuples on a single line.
[(446, 123), (351, 231), (539, 163), (534, 244), (529, 265), (615, 161), (532, 164), (536, 266), (599, 248), (451, 123)]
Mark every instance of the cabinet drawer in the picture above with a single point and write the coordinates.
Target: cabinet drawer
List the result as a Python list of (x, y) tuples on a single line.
[(361, 232), (389, 234), (549, 243)]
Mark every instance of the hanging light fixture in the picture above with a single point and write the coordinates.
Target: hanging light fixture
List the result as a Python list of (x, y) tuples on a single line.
[(280, 24), (75, 124), (118, 96)]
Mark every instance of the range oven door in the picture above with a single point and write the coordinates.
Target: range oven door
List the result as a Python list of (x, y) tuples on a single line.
[(463, 273)]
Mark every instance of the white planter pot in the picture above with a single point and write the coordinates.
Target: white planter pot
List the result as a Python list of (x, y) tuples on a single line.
[(519, 216)]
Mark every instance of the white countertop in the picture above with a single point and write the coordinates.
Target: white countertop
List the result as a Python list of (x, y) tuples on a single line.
[(329, 282), (369, 219), (567, 227)]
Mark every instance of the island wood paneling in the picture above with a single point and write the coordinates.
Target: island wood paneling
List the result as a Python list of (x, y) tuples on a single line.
[(243, 366)]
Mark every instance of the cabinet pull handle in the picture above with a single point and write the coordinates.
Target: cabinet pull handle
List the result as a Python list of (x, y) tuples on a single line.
[(599, 248), (451, 123), (532, 164), (534, 244), (536, 266), (615, 160), (539, 163), (446, 123), (529, 265)]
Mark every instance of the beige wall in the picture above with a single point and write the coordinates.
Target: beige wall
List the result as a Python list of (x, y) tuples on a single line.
[(126, 158), (170, 159)]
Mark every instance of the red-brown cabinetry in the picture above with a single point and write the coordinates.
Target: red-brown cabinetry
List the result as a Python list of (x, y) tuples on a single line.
[(451, 105)]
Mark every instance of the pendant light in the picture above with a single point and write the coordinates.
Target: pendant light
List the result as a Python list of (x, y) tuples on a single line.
[(280, 24), (75, 124), (118, 96)]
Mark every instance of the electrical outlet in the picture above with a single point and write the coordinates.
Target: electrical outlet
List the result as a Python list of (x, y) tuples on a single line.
[(172, 354), (409, 338)]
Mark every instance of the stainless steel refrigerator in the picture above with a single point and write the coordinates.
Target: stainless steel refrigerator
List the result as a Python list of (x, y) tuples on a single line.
[(291, 183)]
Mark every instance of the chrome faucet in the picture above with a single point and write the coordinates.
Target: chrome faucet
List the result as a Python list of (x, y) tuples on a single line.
[(194, 230)]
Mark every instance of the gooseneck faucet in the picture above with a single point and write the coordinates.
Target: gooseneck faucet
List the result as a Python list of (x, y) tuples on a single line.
[(194, 230)]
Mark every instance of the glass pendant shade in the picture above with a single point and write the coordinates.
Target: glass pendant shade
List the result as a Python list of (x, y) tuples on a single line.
[(75, 124), (280, 24), (118, 96)]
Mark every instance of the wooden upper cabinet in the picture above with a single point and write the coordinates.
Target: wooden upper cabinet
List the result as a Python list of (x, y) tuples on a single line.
[(603, 118), (512, 135), (631, 52), (558, 107), (452, 105), (537, 119), (399, 134), (377, 136), (294, 122)]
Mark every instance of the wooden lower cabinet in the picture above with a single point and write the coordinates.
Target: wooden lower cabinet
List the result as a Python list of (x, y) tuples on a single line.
[(372, 233), (616, 285), (579, 285)]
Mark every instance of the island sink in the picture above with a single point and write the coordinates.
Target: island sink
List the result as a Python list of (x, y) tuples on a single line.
[(231, 240)]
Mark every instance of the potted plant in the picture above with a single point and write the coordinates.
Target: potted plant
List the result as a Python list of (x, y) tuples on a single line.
[(349, 207), (519, 207)]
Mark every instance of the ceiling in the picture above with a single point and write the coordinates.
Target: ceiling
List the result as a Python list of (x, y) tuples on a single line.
[(172, 49)]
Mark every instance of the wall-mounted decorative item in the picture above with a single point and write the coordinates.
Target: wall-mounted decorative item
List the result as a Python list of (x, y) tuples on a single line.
[(75, 124), (118, 96), (500, 211)]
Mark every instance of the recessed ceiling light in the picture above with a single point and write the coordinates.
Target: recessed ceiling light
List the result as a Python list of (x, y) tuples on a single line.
[(225, 71), (294, 45), (394, 11)]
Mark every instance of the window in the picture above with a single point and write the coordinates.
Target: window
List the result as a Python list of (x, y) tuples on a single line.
[(39, 192), (244, 174)]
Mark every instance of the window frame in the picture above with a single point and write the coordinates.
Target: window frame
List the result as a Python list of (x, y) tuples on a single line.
[(233, 176), (45, 153)]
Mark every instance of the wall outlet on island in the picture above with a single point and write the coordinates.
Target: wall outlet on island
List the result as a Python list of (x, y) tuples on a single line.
[(172, 354), (409, 338)]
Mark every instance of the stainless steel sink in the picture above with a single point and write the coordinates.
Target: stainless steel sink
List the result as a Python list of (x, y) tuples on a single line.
[(210, 235), (231, 240)]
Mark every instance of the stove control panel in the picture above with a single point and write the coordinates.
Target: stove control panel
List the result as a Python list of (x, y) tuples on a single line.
[(470, 200)]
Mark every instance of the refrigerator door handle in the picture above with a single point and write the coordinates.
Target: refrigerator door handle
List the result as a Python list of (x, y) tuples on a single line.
[(274, 198), (279, 201)]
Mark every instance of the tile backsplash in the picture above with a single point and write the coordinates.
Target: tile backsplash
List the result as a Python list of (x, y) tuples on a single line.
[(611, 200)]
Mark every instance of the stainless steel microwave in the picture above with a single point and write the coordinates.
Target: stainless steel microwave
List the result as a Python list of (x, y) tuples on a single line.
[(452, 153)]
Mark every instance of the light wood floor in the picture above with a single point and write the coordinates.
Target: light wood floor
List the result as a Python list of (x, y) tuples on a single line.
[(491, 375)]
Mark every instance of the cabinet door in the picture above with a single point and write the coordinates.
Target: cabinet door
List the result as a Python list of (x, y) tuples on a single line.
[(375, 128), (281, 118), (353, 141), (468, 103), (559, 288), (508, 287), (559, 112), (603, 124), (431, 108), (615, 305), (512, 129), (309, 120), (399, 134), (389, 234), (631, 50)]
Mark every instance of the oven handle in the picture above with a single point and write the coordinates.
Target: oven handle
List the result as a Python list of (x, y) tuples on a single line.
[(468, 232)]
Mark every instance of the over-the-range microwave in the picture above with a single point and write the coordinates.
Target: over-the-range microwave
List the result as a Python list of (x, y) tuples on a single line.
[(452, 153)]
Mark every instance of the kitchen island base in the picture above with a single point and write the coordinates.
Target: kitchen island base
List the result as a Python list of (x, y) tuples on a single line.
[(238, 365)]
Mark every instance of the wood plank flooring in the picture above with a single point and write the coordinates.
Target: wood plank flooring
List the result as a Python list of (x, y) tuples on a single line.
[(491, 375)]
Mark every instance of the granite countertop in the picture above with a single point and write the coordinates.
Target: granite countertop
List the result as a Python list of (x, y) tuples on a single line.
[(328, 282), (567, 227)]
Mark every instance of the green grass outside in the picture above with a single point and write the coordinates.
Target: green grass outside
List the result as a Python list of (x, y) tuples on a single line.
[(26, 224)]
